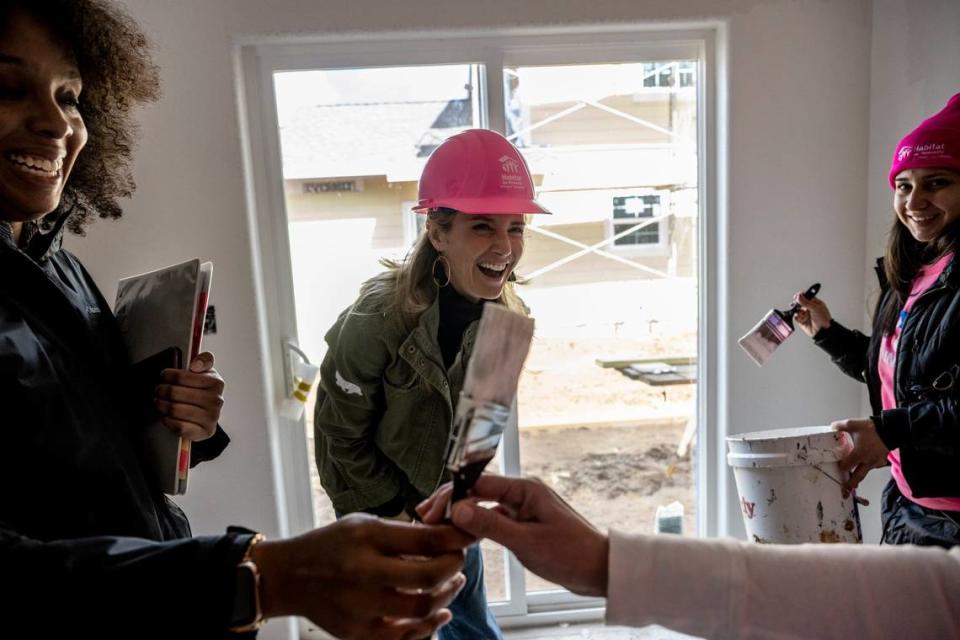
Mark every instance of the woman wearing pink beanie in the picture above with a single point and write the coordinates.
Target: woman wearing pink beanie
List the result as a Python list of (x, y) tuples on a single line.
[(911, 363)]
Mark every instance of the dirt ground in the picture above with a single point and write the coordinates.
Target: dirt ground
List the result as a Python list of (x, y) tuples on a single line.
[(562, 382), (615, 476), (606, 443)]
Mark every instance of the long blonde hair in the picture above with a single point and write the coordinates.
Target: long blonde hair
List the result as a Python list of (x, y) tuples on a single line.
[(408, 288)]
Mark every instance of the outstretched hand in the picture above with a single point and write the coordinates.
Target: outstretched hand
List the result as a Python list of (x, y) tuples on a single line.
[(363, 577), (543, 531)]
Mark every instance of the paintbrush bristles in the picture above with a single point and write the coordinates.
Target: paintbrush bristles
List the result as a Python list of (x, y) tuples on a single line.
[(499, 351)]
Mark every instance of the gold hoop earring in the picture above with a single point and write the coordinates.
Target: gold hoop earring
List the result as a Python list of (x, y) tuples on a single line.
[(445, 266)]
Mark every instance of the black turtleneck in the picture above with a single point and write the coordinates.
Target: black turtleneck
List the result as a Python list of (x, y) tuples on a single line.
[(456, 314)]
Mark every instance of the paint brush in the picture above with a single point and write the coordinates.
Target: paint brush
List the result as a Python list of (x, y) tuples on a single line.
[(775, 327), (489, 390)]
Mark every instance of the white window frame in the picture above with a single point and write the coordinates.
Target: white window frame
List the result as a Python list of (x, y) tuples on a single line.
[(257, 58), (410, 219)]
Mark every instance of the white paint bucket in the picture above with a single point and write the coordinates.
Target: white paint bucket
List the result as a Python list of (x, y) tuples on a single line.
[(788, 482)]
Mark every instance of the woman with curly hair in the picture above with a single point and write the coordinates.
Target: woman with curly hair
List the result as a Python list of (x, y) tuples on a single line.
[(86, 536)]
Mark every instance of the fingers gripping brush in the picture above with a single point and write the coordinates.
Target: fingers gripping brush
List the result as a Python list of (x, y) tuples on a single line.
[(489, 389), (768, 334)]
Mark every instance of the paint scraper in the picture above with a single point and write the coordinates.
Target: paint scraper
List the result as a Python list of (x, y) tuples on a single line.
[(775, 327)]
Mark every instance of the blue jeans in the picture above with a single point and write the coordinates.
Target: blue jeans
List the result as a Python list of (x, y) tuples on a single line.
[(472, 619)]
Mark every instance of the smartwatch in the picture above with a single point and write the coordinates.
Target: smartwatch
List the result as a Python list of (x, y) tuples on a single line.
[(247, 615)]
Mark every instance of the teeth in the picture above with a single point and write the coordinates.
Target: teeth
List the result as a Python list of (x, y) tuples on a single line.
[(493, 267), (37, 165)]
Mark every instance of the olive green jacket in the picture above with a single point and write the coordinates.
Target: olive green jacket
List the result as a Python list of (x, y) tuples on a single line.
[(385, 406)]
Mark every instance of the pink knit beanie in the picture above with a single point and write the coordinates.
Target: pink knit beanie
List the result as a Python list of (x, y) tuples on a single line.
[(935, 143)]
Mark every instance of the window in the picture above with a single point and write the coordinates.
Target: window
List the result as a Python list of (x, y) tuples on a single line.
[(628, 211), (670, 74), (607, 154)]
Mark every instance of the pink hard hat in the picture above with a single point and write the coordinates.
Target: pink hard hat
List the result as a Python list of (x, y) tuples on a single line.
[(477, 171)]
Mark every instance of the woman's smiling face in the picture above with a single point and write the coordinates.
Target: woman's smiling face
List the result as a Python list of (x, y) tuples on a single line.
[(481, 251), (927, 201), (41, 130)]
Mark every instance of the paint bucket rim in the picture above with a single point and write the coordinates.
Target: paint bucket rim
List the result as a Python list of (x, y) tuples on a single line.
[(781, 434)]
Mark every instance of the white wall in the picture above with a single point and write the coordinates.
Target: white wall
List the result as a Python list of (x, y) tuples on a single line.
[(798, 135), (797, 138), (914, 71)]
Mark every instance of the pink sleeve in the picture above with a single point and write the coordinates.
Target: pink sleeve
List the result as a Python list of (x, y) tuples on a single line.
[(723, 588)]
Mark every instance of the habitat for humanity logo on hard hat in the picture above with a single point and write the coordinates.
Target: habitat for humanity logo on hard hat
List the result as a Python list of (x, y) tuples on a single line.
[(511, 176)]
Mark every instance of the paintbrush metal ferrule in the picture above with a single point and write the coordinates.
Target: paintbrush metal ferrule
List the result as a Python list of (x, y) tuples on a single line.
[(775, 327), (768, 334), (779, 328), (476, 431), (476, 435)]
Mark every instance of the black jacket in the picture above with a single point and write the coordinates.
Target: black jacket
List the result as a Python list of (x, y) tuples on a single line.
[(925, 426), (87, 540)]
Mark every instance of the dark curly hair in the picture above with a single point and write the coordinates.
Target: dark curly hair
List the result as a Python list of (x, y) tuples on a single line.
[(118, 73)]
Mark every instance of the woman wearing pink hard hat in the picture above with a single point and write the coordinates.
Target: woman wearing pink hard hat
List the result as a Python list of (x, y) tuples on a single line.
[(911, 363), (397, 356)]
